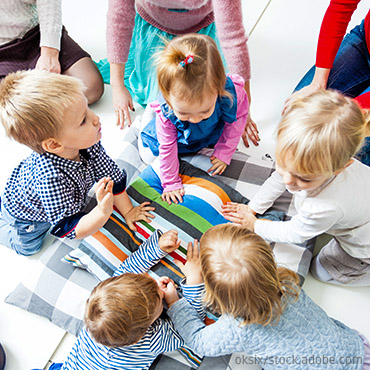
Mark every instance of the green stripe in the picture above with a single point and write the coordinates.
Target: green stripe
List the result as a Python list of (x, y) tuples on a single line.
[(182, 249), (177, 209), (148, 226)]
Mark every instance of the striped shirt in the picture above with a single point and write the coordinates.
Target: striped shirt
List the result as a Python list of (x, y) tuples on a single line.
[(48, 188), (160, 337)]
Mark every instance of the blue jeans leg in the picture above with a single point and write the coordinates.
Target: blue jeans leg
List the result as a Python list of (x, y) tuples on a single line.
[(351, 69), (24, 237), (350, 74), (364, 154)]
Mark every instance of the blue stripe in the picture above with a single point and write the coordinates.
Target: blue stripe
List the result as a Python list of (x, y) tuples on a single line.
[(203, 209), (88, 249)]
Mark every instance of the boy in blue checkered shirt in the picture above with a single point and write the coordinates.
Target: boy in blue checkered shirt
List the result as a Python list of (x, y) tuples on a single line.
[(48, 190)]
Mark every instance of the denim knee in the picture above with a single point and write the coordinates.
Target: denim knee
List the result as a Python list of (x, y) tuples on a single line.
[(23, 236), (364, 154)]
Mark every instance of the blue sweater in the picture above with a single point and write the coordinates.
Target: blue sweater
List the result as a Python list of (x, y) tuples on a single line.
[(305, 338)]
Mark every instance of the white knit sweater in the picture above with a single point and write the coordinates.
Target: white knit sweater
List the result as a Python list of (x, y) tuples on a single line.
[(17, 17)]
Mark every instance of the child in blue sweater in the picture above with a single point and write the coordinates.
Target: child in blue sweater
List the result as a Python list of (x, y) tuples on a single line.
[(263, 310)]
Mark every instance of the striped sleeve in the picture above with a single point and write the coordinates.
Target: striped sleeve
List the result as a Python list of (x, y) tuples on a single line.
[(144, 258), (194, 294), (165, 338)]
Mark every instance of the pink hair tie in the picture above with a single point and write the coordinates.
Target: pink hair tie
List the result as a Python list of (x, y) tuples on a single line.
[(186, 61)]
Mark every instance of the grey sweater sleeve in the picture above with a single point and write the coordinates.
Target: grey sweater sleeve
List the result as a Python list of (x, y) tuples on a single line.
[(217, 339)]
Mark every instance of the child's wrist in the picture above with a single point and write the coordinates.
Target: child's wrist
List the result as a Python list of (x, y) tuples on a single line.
[(252, 211), (194, 280), (173, 301), (128, 211), (104, 211)]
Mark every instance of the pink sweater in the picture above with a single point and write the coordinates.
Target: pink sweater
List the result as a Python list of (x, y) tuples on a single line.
[(227, 14), (224, 148)]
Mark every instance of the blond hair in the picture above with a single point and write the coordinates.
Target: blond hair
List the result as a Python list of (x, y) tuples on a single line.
[(320, 133), (120, 309), (32, 105), (204, 75), (241, 277)]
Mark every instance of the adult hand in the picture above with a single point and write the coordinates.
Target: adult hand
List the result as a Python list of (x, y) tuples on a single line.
[(307, 90), (250, 129), (251, 132), (139, 213), (169, 241), (122, 102), (319, 82), (48, 60), (173, 196), (192, 269), (218, 166), (104, 195)]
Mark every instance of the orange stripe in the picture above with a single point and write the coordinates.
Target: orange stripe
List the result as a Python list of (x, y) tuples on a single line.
[(108, 244), (172, 269), (190, 355), (128, 231), (206, 185)]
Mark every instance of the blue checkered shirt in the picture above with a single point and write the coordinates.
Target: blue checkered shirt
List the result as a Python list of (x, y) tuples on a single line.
[(48, 188)]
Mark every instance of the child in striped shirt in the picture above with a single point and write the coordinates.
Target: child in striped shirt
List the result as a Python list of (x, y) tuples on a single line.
[(124, 329)]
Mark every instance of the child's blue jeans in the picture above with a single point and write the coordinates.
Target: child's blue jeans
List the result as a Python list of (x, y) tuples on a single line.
[(25, 237)]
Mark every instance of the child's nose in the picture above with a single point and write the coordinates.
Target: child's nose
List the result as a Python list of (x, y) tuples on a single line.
[(96, 120), (288, 179)]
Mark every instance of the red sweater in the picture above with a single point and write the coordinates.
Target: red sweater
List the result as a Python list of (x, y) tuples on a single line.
[(333, 29)]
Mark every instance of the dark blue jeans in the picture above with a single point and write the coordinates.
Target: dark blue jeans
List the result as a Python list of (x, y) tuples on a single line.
[(350, 74), (351, 69)]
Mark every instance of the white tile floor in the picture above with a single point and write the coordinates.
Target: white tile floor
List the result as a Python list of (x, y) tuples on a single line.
[(283, 35)]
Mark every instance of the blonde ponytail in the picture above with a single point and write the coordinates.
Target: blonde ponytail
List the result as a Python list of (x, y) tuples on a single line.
[(205, 73)]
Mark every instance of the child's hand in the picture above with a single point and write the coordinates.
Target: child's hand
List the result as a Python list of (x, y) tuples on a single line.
[(174, 196), (218, 166), (169, 241), (231, 207), (167, 286), (104, 195), (192, 269), (238, 214), (141, 212)]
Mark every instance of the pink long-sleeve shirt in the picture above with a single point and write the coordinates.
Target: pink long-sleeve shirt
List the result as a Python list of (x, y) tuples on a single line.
[(227, 14), (224, 148)]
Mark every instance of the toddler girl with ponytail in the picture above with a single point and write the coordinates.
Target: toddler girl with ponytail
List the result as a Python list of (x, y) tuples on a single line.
[(199, 106)]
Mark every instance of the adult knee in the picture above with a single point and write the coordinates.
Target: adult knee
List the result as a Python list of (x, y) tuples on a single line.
[(94, 88)]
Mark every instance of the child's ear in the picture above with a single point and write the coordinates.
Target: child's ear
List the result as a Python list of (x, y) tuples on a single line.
[(342, 169), (52, 145)]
